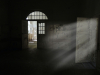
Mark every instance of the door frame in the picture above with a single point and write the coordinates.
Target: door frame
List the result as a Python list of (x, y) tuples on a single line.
[(38, 21)]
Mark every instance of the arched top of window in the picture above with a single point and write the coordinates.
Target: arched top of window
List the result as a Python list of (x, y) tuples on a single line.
[(37, 15)]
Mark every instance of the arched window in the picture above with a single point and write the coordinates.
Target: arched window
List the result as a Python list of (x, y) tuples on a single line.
[(37, 15)]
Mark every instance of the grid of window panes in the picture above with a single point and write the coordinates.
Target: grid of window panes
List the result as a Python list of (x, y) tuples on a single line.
[(41, 29), (36, 16)]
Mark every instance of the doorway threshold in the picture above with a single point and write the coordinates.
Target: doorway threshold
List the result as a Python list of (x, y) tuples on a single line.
[(31, 42)]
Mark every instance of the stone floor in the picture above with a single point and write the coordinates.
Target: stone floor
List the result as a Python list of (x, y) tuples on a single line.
[(41, 62), (32, 44)]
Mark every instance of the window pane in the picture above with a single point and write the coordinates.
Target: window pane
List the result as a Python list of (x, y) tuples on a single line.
[(43, 24), (33, 17), (41, 28), (39, 32), (43, 32), (43, 17), (37, 17), (37, 13), (40, 17), (33, 13), (39, 24), (29, 17), (40, 13)]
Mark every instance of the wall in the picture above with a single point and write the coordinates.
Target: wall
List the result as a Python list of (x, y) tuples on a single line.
[(4, 26), (86, 39), (15, 25)]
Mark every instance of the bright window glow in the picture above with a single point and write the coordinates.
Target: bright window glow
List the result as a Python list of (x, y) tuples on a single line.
[(32, 30), (37, 15), (41, 28)]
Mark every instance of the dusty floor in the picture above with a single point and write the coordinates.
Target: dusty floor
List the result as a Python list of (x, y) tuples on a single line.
[(32, 45), (42, 62)]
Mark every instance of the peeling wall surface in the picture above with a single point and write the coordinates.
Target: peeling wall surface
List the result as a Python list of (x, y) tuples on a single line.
[(60, 35), (86, 40)]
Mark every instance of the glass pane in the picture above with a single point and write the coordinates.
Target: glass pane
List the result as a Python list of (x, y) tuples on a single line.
[(37, 17), (41, 28), (39, 24), (43, 17), (39, 32), (29, 17), (43, 24), (33, 13), (37, 13), (40, 17), (33, 17), (40, 13), (43, 32)]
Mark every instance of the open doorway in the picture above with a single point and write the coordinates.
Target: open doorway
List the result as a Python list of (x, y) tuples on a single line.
[(33, 28), (32, 34)]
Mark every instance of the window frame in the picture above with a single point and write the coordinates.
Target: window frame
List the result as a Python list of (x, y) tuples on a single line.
[(41, 21), (39, 28), (43, 16)]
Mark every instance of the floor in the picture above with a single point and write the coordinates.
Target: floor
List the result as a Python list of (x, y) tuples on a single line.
[(41, 62), (32, 45)]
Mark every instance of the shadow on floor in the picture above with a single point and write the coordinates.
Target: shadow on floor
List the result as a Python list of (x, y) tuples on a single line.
[(36, 62)]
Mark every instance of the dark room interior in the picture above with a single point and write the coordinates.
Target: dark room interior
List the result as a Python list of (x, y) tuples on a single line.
[(49, 37)]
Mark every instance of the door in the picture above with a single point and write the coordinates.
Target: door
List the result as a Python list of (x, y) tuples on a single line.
[(24, 34), (41, 34)]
